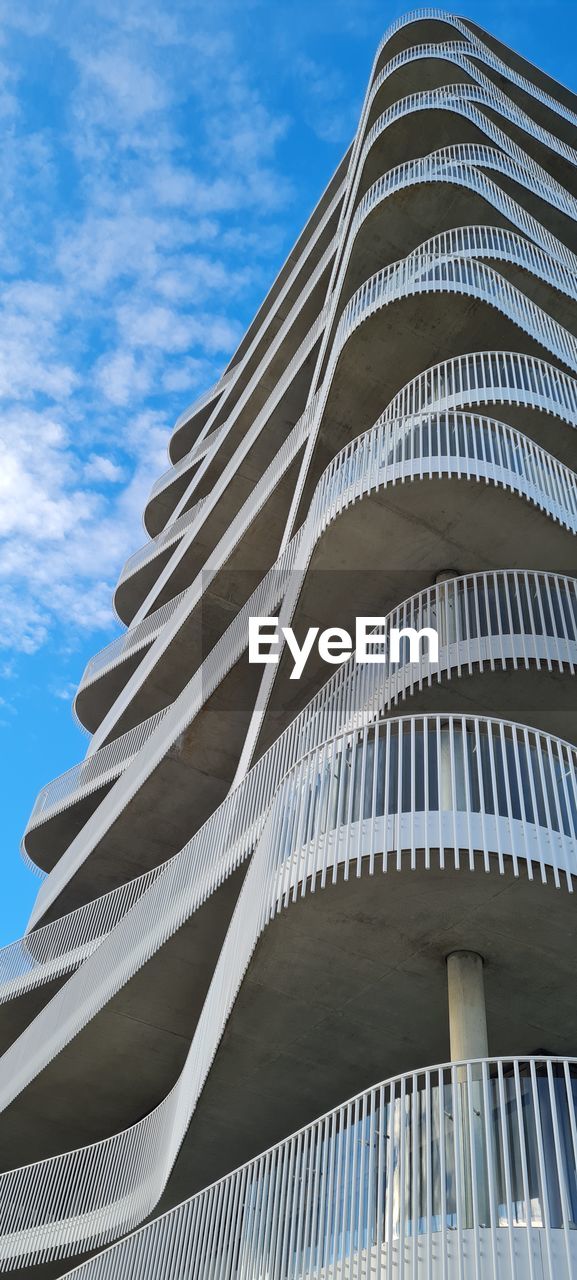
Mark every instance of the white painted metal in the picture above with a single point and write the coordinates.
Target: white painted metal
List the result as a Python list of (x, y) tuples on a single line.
[(460, 1172), (367, 800), (415, 274), (455, 1172), (490, 620), (466, 446), (498, 376)]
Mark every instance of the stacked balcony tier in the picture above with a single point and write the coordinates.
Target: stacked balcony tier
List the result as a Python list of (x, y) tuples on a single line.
[(250, 885)]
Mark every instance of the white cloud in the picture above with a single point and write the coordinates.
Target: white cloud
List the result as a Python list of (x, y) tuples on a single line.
[(123, 377), (143, 213), (97, 467), (24, 624), (118, 86)]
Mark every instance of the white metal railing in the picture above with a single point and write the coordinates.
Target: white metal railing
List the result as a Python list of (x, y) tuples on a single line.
[(452, 444), (459, 54), (165, 539), (428, 273), (477, 50), (289, 282), (489, 241), (419, 1175), (492, 619), (507, 377), (199, 449), (463, 165), (206, 397), (462, 99), (460, 445), (466, 790), (91, 773)]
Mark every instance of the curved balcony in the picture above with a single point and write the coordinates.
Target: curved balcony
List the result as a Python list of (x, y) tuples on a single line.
[(480, 51), (89, 778), (432, 796), (301, 265), (446, 454), (237, 433), (540, 399), (433, 1169), (463, 163), (464, 123), (420, 274), (452, 189), (205, 401), (423, 272), (496, 242), (487, 622), (385, 90), (158, 573)]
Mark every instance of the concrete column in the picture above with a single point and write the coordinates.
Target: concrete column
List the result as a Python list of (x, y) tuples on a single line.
[(445, 575), (467, 1013)]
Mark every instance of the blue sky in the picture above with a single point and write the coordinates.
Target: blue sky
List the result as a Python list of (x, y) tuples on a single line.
[(158, 160)]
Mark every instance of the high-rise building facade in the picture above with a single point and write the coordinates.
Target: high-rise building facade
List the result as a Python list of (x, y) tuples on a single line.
[(270, 907)]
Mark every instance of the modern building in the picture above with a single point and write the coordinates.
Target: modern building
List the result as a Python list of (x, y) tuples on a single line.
[(266, 900)]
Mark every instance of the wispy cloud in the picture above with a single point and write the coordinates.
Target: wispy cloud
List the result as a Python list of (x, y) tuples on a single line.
[(135, 181)]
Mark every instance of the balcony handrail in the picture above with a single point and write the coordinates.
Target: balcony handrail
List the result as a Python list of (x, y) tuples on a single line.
[(386, 455), (165, 539), (478, 49), (466, 444), (494, 619), (552, 485), (324, 817), (287, 286), (507, 377), (367, 1146), (492, 241), (92, 772)]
